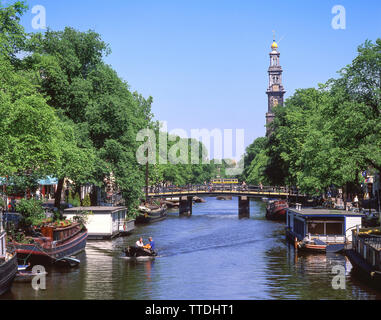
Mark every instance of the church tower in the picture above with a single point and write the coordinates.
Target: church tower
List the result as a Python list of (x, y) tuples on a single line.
[(275, 91)]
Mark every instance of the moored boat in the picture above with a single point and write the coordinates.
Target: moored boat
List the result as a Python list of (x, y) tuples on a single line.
[(276, 210), (320, 230), (151, 213), (365, 255), (198, 200), (224, 198), (8, 264), (54, 243)]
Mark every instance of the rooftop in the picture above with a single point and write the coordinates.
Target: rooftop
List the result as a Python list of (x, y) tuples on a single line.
[(325, 212)]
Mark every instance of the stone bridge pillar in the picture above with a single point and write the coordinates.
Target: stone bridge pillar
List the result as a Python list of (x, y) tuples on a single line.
[(186, 206), (243, 207)]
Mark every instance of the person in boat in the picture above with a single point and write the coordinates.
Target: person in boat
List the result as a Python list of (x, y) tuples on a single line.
[(151, 243), (139, 243)]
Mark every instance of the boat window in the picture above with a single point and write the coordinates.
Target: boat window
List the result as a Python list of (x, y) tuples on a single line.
[(299, 227), (316, 228), (334, 228)]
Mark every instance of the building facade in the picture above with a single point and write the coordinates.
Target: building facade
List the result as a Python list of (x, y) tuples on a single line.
[(275, 91)]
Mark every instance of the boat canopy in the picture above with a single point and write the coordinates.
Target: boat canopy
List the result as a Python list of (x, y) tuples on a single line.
[(324, 213)]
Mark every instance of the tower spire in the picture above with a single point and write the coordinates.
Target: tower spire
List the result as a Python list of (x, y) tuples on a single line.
[(275, 91)]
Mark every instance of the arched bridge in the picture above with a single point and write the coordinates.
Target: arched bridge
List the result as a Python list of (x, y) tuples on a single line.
[(243, 192)]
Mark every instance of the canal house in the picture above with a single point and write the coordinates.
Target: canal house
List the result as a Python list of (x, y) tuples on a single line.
[(104, 222), (315, 229)]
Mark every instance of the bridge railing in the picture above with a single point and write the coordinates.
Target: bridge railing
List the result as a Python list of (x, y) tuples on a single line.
[(209, 188)]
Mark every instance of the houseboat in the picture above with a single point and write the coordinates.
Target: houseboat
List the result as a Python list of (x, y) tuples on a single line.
[(151, 213), (8, 264), (316, 230), (365, 254), (55, 241), (104, 222), (276, 210)]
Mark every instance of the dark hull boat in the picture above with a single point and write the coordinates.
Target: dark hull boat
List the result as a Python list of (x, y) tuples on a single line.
[(276, 210), (139, 253), (365, 254), (54, 245), (8, 270), (8, 266), (363, 270), (151, 214)]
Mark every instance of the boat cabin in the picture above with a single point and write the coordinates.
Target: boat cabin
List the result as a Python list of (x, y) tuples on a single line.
[(329, 226), (104, 222), (61, 234)]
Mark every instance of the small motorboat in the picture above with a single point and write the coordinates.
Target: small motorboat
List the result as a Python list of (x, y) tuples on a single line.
[(137, 253), (27, 276)]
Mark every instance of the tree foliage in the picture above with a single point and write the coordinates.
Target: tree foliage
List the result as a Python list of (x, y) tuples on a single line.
[(325, 137)]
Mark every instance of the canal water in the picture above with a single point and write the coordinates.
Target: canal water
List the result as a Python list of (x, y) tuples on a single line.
[(210, 255)]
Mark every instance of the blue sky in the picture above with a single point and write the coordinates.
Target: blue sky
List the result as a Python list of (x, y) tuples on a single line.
[(205, 62)]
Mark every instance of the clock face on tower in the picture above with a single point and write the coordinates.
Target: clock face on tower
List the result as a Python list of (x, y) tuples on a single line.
[(275, 87)]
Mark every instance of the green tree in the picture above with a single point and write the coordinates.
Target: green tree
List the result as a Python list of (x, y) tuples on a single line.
[(29, 136), (12, 34)]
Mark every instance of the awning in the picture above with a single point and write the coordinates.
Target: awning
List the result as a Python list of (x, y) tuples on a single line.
[(48, 181)]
